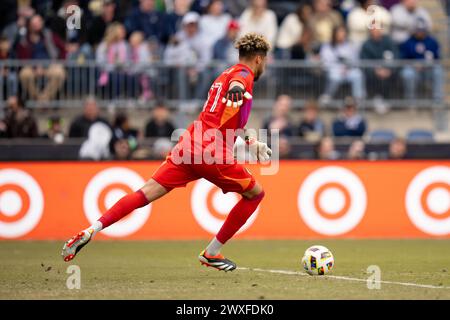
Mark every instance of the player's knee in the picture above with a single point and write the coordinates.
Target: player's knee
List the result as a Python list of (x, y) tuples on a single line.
[(153, 190), (257, 193), (259, 196)]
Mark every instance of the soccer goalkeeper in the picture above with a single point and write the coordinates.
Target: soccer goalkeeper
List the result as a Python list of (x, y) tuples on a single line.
[(226, 110)]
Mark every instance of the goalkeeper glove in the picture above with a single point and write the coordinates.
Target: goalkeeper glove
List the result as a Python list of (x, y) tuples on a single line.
[(235, 97), (258, 150)]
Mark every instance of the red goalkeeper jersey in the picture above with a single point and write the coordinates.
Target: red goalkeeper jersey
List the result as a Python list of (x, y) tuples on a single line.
[(216, 114), (217, 117)]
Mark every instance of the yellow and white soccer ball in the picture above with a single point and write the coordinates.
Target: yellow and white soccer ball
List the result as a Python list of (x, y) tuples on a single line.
[(318, 260)]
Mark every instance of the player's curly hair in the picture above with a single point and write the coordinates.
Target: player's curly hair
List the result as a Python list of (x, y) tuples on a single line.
[(252, 44)]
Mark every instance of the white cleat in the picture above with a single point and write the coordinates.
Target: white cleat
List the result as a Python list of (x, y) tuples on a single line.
[(75, 244)]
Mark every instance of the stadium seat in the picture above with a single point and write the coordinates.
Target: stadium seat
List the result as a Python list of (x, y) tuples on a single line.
[(420, 135), (381, 135)]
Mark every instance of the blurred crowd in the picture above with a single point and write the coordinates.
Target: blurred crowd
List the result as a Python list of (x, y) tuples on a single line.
[(102, 139), (123, 35), (119, 140), (349, 125)]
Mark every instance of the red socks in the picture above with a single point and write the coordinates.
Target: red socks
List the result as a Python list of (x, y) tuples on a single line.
[(238, 216), (235, 220), (123, 207)]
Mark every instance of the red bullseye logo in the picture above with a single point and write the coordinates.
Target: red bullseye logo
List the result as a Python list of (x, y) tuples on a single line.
[(332, 200), (104, 190), (14, 202), (435, 200), (21, 203), (210, 206), (427, 200)]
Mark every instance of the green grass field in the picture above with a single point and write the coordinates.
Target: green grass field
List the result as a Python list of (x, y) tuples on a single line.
[(170, 270)]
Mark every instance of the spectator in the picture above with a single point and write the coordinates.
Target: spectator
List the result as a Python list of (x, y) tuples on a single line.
[(54, 130), (224, 49), (178, 53), (356, 150), (8, 76), (404, 17), (364, 18), (99, 23), (160, 124), (397, 149), (147, 19), (421, 46), (174, 18), (306, 46), (121, 150), (40, 43), (326, 150), (258, 18), (214, 23), (79, 52), (112, 53), (187, 48), (80, 126), (19, 122), (311, 126), (324, 20), (14, 29), (292, 29), (124, 138), (380, 47), (195, 38), (140, 58), (338, 58), (96, 147), (349, 123), (279, 120), (284, 148), (122, 129)]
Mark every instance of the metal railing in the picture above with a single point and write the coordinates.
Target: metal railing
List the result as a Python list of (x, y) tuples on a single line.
[(67, 83), (37, 149)]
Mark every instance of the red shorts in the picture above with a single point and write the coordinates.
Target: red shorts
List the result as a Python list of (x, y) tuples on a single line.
[(229, 177)]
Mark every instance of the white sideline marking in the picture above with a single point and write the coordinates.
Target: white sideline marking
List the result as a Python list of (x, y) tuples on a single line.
[(297, 273)]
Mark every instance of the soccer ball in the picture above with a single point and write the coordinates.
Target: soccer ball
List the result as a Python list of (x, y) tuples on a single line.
[(318, 260)]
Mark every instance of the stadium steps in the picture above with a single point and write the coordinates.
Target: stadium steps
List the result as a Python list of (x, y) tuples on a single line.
[(441, 31)]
